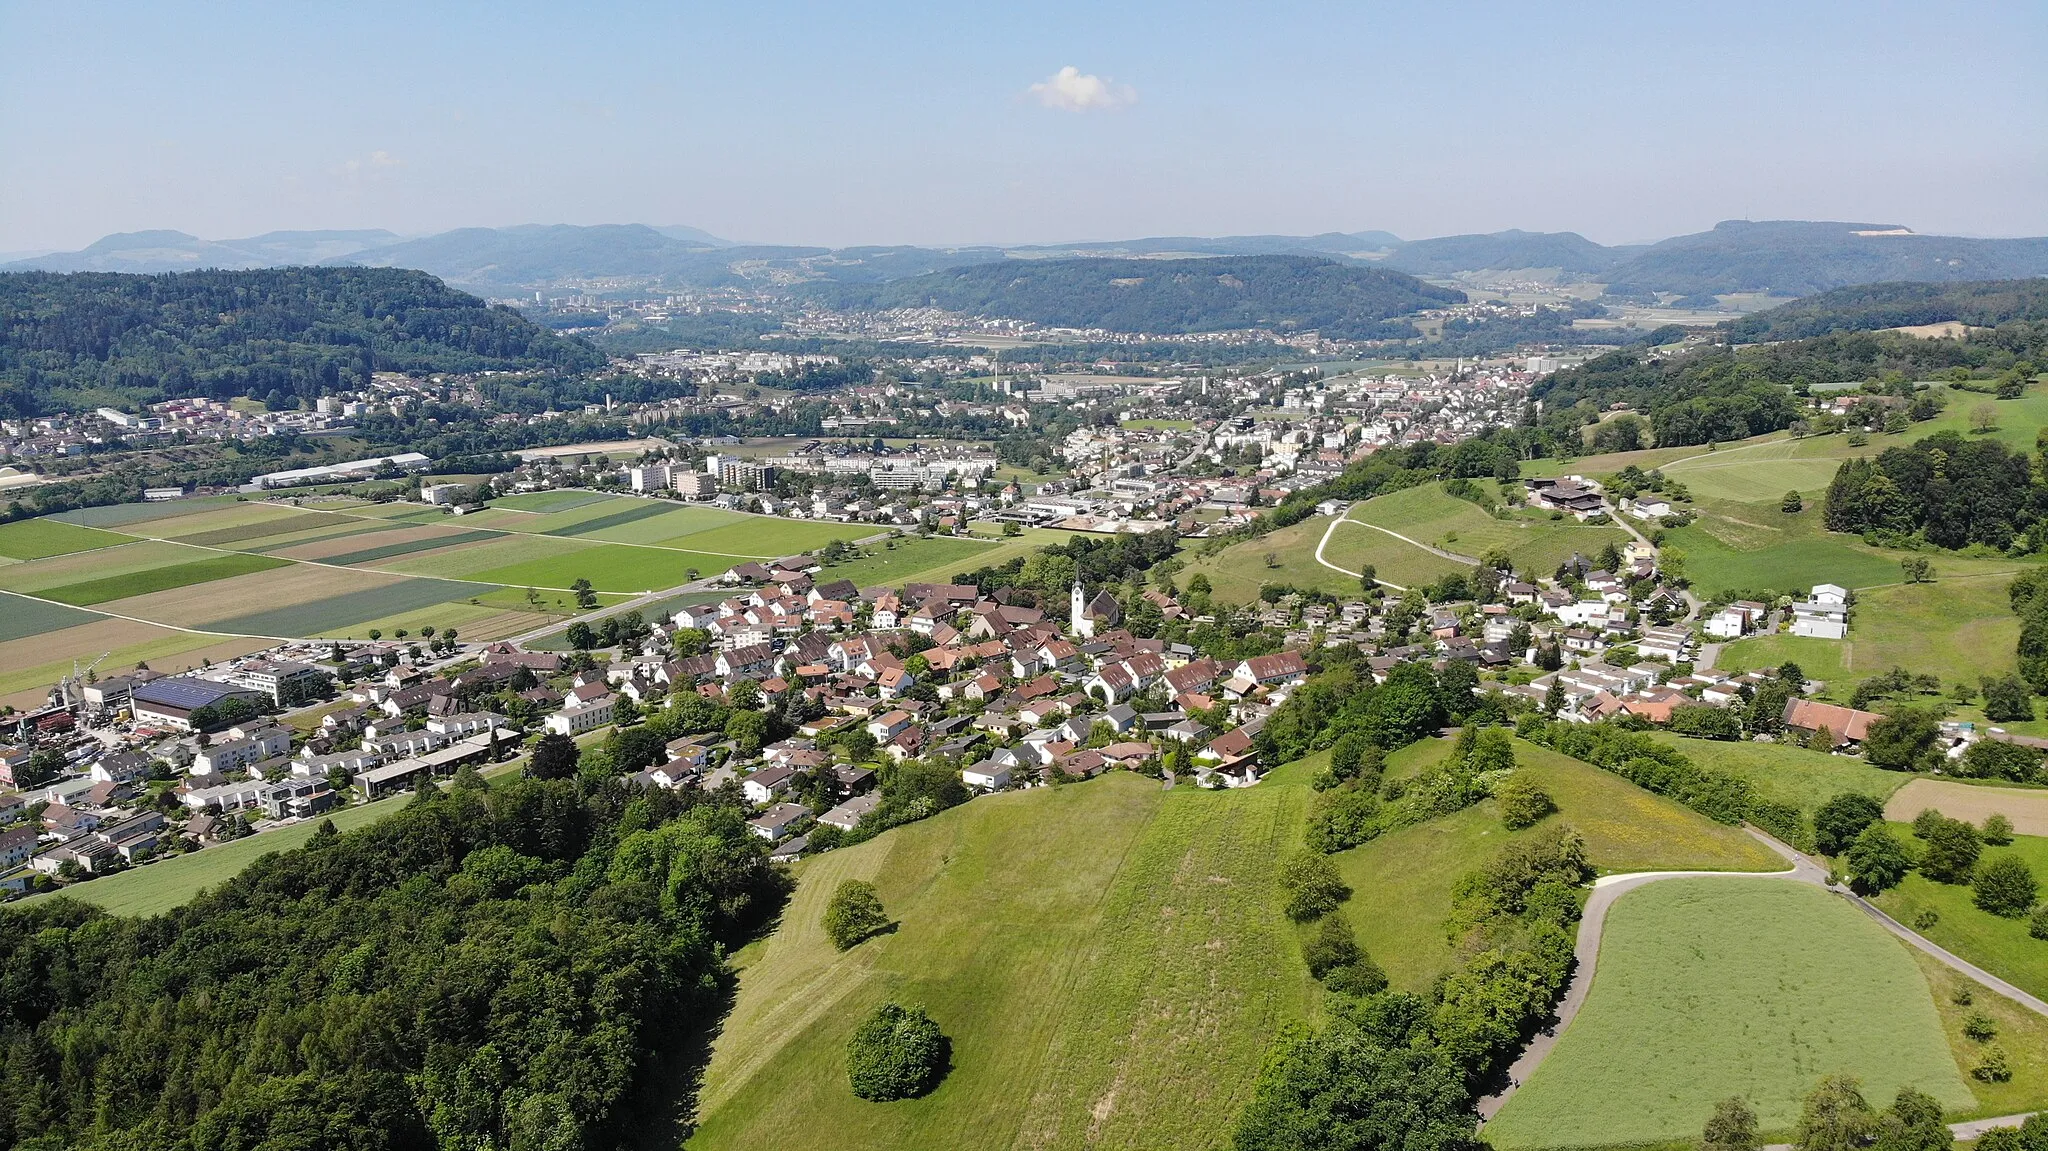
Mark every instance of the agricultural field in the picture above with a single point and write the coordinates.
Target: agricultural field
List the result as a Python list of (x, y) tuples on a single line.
[(936, 559), (1787, 774), (1960, 629), (56, 571), (268, 528), (771, 537), (2026, 807), (609, 567), (1402, 882), (29, 667), (1034, 927), (163, 578), (25, 618), (322, 607), (40, 538), (550, 501), (1709, 988), (2000, 946), (228, 520), (120, 515)]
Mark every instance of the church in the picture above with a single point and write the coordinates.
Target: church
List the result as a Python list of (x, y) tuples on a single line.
[(1085, 616)]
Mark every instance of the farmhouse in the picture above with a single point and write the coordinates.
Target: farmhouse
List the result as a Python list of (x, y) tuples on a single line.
[(1846, 725)]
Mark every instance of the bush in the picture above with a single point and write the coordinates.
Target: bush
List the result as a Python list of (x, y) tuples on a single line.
[(1838, 822), (1952, 849), (1979, 1027), (1732, 1127), (1522, 802), (2037, 924), (1361, 979), (1997, 830), (1332, 946), (1341, 819), (1994, 1067), (854, 914), (896, 1053), (1314, 889), (1877, 860), (2004, 886)]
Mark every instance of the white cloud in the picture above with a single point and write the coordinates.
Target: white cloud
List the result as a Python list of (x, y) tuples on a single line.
[(383, 159), (1070, 90)]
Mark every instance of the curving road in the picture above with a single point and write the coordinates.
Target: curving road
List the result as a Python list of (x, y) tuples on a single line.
[(1804, 869)]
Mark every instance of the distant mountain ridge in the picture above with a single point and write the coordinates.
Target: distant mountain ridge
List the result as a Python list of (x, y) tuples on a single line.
[(1875, 307), (1165, 297), (1780, 257)]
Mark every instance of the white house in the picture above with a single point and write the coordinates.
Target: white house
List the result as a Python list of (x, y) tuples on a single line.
[(584, 717)]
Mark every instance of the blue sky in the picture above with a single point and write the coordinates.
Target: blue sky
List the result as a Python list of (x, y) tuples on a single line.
[(903, 123)]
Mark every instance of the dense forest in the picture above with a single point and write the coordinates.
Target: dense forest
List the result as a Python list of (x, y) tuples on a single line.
[(72, 341), (511, 967), (1873, 307), (1957, 491), (1288, 293)]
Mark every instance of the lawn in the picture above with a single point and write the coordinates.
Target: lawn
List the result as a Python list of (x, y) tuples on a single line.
[(2000, 946), (1787, 774), (214, 567), (158, 887), (1709, 988), (1107, 959), (1402, 882), (1160, 425), (38, 538)]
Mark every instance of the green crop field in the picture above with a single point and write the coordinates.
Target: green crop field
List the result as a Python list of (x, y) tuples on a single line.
[(1709, 988), (465, 561), (771, 537), (56, 571), (1787, 774), (272, 525), (158, 887), (614, 517), (371, 555), (21, 618), (1402, 882), (609, 567), (118, 515), (164, 578), (38, 538), (2000, 946), (1091, 951), (669, 529), (333, 615), (551, 501)]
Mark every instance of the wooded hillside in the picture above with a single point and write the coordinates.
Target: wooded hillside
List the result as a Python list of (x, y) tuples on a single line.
[(76, 341)]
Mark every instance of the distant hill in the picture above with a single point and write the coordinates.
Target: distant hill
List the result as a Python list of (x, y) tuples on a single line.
[(1324, 244), (1872, 307), (1499, 251), (1288, 293), (538, 255), (167, 251), (75, 341), (1800, 258)]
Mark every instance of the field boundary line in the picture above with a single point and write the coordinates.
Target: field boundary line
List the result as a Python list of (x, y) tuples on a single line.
[(150, 622)]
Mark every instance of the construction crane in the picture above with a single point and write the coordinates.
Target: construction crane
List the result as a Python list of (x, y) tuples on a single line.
[(75, 682)]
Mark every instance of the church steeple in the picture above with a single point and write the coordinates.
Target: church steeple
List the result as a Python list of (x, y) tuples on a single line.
[(1077, 612)]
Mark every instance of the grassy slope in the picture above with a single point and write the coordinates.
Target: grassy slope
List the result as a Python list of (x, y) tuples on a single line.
[(1788, 774), (1960, 629), (2000, 946), (1237, 572), (1537, 543), (1402, 883), (1710, 988), (1090, 950), (158, 887)]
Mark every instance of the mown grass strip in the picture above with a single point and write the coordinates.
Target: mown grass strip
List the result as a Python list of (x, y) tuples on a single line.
[(88, 592), (277, 527)]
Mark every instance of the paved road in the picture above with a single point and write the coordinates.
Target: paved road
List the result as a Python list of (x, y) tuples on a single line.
[(1804, 869)]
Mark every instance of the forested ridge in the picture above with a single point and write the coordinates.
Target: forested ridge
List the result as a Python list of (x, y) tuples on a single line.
[(75, 341), (512, 967), (1291, 293), (1872, 307), (1718, 393)]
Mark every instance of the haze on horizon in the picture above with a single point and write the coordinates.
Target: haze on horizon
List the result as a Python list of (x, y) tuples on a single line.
[(925, 124)]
